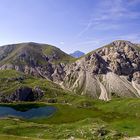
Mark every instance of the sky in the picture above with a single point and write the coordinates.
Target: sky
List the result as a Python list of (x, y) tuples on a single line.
[(69, 24)]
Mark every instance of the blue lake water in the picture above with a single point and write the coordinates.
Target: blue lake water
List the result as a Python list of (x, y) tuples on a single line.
[(32, 113)]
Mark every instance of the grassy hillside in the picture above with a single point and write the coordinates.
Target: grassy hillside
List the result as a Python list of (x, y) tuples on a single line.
[(63, 57), (10, 80), (23, 53), (8, 137), (76, 117)]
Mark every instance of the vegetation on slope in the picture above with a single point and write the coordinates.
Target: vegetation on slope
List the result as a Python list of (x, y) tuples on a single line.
[(83, 119), (75, 115), (51, 50), (23, 53), (10, 80)]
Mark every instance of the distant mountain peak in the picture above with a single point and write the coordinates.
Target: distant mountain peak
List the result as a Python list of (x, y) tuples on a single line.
[(77, 54)]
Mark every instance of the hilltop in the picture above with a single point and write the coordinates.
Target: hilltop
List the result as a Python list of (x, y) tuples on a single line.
[(33, 58)]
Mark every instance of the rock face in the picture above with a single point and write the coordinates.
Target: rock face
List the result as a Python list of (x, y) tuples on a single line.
[(113, 70), (23, 94)]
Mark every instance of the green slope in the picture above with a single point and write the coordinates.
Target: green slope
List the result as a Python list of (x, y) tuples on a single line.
[(15, 54), (97, 120), (10, 80)]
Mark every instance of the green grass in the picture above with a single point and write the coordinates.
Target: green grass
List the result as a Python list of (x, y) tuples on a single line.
[(83, 119), (68, 114), (34, 51), (10, 80), (10, 74), (62, 57), (8, 137), (128, 110), (83, 129), (76, 116)]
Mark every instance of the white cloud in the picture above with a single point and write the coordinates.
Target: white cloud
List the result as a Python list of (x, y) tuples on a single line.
[(94, 43), (62, 43), (87, 27), (109, 13), (90, 44)]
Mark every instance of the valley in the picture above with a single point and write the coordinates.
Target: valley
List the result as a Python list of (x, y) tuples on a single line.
[(94, 97), (84, 119)]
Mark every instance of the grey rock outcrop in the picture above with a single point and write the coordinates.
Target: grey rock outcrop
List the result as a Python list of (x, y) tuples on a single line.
[(23, 94), (111, 70)]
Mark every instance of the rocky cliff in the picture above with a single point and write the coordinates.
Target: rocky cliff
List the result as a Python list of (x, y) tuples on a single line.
[(40, 60), (110, 71)]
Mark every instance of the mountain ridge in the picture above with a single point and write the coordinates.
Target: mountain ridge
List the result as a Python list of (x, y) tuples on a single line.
[(105, 73), (117, 62)]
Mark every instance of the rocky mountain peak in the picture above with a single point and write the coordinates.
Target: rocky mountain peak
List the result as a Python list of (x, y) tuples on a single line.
[(110, 69), (121, 43)]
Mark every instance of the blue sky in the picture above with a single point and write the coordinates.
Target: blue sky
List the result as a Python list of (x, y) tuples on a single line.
[(69, 24)]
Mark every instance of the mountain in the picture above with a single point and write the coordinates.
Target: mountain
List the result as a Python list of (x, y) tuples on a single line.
[(77, 54), (112, 71), (34, 58), (108, 72)]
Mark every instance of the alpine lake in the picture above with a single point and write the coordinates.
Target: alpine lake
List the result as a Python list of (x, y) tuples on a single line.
[(26, 111)]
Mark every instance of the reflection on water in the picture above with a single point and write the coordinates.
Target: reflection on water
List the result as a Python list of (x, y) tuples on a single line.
[(32, 113)]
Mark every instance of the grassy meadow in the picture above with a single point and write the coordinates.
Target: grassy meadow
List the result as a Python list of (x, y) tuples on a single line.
[(84, 119), (76, 117)]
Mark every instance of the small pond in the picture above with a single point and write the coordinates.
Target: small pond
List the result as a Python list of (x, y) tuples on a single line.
[(25, 112)]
